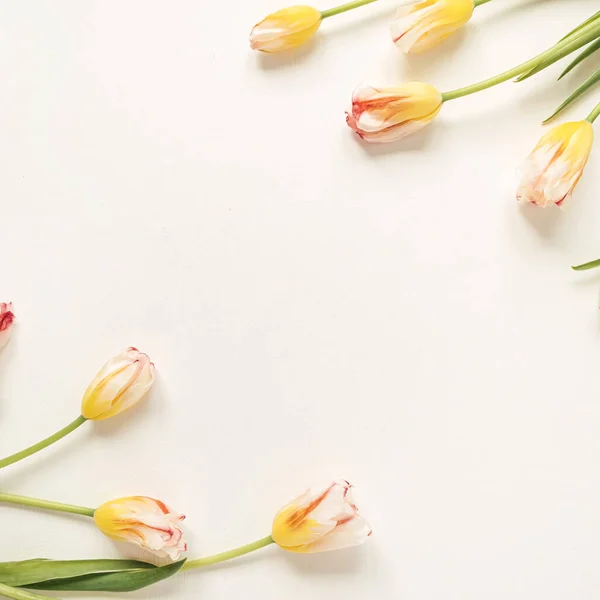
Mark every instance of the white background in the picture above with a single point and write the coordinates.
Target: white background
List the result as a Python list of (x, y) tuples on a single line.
[(315, 307)]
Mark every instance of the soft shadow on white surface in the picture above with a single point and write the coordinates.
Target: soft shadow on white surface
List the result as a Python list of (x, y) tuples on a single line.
[(417, 142), (293, 58), (350, 560), (545, 221)]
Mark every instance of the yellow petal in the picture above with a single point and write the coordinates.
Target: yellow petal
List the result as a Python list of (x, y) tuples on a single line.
[(285, 29)]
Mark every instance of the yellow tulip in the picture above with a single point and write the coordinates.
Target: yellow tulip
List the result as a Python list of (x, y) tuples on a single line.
[(121, 383), (323, 518), (556, 164), (143, 521), (425, 24), (391, 113), (285, 29)]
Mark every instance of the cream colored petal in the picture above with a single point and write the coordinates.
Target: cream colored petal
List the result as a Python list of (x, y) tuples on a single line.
[(352, 533)]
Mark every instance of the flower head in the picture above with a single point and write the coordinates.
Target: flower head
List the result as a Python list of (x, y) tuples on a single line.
[(391, 113), (6, 321), (285, 29), (556, 164), (425, 24), (143, 521), (323, 518), (121, 383)]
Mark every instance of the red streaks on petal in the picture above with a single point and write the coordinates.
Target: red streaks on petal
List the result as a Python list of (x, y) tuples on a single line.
[(6, 316), (297, 518)]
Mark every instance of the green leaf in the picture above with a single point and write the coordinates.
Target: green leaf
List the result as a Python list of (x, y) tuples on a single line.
[(587, 32), (122, 581), (584, 87), (588, 265), (580, 27), (16, 594), (25, 572), (581, 57)]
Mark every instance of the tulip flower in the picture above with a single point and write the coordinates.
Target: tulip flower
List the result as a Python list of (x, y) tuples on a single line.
[(7, 318), (323, 518), (140, 520), (120, 384), (147, 522), (391, 113), (556, 164), (388, 114), (285, 29), (123, 381), (423, 25), (293, 26)]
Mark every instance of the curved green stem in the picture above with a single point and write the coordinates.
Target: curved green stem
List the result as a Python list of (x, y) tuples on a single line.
[(589, 33), (13, 458), (480, 2), (223, 556), (38, 503), (331, 12), (20, 594), (594, 114)]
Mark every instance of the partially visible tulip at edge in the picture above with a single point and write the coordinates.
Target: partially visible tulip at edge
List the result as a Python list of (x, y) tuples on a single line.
[(423, 25), (143, 521), (121, 383), (285, 29), (388, 114), (7, 318), (554, 167), (323, 518)]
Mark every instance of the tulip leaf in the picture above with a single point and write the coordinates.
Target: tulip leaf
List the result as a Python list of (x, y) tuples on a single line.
[(17, 594), (26, 572), (581, 57), (584, 34), (580, 27), (584, 87), (117, 581), (586, 266)]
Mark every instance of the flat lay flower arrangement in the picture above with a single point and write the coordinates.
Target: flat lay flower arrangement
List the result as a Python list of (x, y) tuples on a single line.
[(323, 518), (382, 114)]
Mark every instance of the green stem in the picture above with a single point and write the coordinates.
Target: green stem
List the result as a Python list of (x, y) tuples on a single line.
[(331, 12), (558, 51), (594, 114), (223, 556), (37, 503), (13, 458), (20, 594), (588, 265), (480, 2)]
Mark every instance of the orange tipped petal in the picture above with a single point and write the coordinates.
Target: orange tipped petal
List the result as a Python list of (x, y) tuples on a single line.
[(323, 518), (390, 113), (143, 521)]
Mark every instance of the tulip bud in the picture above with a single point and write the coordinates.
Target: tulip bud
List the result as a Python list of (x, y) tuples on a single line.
[(121, 383), (145, 522), (556, 164), (425, 24), (323, 518), (285, 29), (7, 318), (391, 113)]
